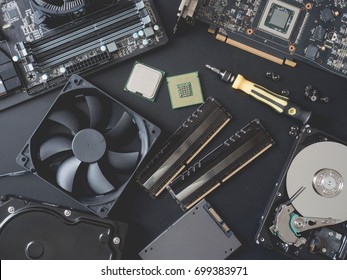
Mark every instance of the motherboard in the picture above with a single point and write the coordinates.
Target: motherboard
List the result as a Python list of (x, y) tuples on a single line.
[(44, 42), (283, 31)]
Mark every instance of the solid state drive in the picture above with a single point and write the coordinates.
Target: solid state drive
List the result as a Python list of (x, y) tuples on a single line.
[(200, 234)]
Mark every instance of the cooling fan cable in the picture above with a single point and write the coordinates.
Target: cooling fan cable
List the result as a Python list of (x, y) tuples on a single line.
[(16, 173)]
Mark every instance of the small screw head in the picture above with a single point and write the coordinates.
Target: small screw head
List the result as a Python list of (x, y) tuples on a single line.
[(116, 240), (313, 98), (330, 233), (268, 74), (67, 213), (285, 92), (262, 239), (273, 76), (11, 209), (292, 133), (324, 250)]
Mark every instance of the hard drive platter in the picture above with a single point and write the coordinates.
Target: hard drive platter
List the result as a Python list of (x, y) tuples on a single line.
[(321, 169)]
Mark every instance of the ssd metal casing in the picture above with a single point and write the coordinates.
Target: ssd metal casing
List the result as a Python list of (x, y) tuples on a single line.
[(200, 234)]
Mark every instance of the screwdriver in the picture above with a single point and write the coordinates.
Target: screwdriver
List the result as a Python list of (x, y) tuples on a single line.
[(279, 103)]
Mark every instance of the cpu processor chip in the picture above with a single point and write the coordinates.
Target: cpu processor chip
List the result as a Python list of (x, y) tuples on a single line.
[(185, 90), (279, 19), (144, 81)]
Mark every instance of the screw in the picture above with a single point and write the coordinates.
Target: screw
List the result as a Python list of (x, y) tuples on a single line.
[(292, 133), (324, 99), (313, 98), (330, 233), (308, 88), (294, 128), (67, 213), (11, 209), (324, 250), (273, 76), (299, 223), (116, 240), (262, 239), (285, 92)]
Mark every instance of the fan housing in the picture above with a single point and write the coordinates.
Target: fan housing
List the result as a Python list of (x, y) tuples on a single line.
[(89, 145)]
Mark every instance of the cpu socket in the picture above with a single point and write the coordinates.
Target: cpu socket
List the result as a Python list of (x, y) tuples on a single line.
[(279, 19)]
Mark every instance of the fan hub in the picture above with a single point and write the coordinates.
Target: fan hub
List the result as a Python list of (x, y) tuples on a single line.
[(89, 145)]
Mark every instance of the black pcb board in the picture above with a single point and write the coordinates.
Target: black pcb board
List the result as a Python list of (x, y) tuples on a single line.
[(42, 43), (283, 31)]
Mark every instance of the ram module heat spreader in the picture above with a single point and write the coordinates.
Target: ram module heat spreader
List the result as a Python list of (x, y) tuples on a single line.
[(182, 147), (219, 165)]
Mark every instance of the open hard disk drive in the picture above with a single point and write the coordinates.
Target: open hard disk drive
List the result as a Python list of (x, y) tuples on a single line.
[(307, 215), (30, 230), (88, 145)]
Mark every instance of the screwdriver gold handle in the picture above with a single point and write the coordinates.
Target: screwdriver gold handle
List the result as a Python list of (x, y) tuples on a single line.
[(278, 102)]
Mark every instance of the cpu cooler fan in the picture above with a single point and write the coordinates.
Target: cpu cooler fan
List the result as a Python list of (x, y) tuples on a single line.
[(48, 9), (89, 145), (59, 6)]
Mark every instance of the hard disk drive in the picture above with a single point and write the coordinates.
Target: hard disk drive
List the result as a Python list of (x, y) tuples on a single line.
[(30, 230), (307, 215)]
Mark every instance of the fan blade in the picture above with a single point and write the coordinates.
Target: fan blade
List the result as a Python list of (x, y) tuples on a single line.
[(54, 146), (123, 161), (122, 131), (66, 173), (67, 119), (96, 111), (97, 181)]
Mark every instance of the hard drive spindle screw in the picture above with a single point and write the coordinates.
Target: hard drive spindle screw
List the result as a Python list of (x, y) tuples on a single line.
[(11, 209), (67, 213), (116, 240)]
